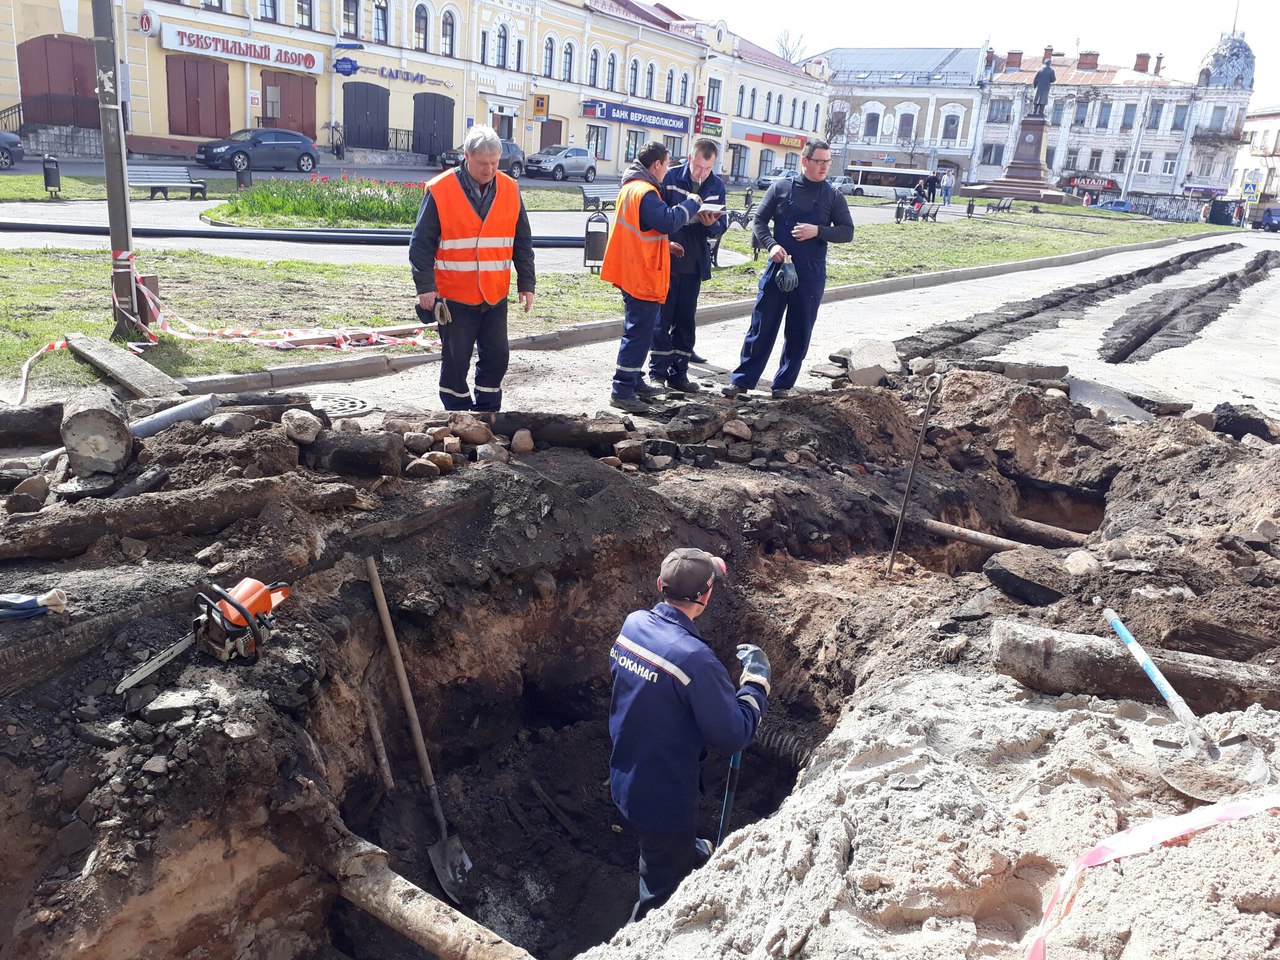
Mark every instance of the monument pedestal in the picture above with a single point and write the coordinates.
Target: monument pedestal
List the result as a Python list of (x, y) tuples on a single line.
[(1026, 176)]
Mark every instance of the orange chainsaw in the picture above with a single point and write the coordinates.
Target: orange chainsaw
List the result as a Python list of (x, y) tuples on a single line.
[(237, 624)]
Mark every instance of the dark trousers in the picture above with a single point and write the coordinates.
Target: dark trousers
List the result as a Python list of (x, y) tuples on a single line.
[(474, 328), (640, 317), (676, 330), (801, 309), (665, 860)]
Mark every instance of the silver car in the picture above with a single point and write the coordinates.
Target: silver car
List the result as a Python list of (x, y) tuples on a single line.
[(844, 184), (559, 161)]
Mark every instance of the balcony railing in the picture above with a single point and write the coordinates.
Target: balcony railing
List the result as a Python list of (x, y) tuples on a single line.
[(11, 118), (1217, 135)]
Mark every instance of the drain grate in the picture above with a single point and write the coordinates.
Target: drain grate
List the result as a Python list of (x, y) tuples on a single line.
[(340, 404)]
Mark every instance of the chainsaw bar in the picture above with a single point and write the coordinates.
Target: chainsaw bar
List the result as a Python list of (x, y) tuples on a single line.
[(155, 663)]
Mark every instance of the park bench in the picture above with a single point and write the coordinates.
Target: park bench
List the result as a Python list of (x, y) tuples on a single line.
[(599, 196), (929, 212), (160, 179), (903, 193), (1001, 205)]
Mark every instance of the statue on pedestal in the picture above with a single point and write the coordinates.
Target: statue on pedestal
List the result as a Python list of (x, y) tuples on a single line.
[(1043, 80)]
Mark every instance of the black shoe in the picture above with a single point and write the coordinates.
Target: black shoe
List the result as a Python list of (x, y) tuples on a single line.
[(781, 393), (694, 358), (683, 384), (645, 390), (733, 391), (629, 404)]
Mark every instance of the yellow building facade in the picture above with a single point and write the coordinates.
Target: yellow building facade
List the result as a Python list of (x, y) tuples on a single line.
[(408, 77)]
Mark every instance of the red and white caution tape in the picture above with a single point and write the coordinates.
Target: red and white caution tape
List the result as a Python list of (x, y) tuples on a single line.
[(26, 367), (1140, 839)]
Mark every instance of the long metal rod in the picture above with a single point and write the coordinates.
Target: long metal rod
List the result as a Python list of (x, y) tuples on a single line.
[(730, 790), (931, 385)]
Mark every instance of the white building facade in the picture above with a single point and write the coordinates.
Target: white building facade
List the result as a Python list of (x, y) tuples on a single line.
[(1258, 160)]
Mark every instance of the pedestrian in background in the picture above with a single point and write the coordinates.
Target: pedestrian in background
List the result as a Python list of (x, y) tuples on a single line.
[(948, 182), (472, 227), (690, 265), (931, 185), (672, 702), (795, 221), (637, 260)]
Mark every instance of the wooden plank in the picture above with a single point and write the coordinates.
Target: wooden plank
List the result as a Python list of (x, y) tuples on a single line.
[(554, 810), (136, 375)]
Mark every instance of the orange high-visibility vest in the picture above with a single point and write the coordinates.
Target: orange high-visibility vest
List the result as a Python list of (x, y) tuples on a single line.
[(636, 260), (473, 258)]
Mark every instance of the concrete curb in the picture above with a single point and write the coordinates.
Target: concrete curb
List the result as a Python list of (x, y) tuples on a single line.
[(357, 368)]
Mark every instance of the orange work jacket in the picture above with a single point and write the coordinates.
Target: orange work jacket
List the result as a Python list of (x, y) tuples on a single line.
[(473, 258), (635, 260)]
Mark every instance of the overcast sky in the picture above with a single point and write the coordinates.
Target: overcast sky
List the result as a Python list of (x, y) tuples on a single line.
[(1183, 31)]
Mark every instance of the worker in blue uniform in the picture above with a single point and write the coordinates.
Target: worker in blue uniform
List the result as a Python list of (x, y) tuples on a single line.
[(672, 702), (673, 339), (795, 221)]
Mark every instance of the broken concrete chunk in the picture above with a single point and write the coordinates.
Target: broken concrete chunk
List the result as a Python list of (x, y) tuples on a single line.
[(492, 451), (230, 424), (830, 371), (1255, 442), (737, 429), (156, 765), (239, 731), (36, 486), (301, 426), (1236, 420), (1032, 575), (451, 444), (171, 705), (629, 451), (662, 448), (522, 442), (1094, 434), (982, 604), (1202, 417), (863, 354), (74, 837), (1034, 371), (1080, 563), (922, 366), (22, 503), (1267, 529)]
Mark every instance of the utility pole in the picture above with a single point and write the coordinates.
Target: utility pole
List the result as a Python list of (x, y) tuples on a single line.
[(113, 155)]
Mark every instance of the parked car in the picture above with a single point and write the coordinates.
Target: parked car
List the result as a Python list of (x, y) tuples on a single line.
[(1119, 206), (844, 184), (263, 149), (10, 150), (765, 180), (559, 161), (1270, 220), (511, 162)]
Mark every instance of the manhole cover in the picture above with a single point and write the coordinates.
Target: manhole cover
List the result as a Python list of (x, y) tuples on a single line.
[(340, 404)]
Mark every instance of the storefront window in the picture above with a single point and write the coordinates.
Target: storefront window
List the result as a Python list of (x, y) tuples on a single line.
[(635, 139), (675, 145), (596, 139)]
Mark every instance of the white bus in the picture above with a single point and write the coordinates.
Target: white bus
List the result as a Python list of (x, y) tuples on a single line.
[(882, 181)]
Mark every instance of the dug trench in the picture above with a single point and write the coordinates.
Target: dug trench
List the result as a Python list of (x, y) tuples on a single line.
[(203, 815)]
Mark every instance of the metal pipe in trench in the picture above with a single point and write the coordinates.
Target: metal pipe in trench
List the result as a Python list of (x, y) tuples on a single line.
[(950, 531)]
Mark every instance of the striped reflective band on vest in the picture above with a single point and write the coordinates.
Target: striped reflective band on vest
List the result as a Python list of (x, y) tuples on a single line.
[(645, 235), (662, 663), (474, 257)]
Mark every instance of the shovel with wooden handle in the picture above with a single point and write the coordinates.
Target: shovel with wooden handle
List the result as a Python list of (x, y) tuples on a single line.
[(448, 857)]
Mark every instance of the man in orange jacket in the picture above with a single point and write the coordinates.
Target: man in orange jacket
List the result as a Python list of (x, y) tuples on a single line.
[(637, 260), (472, 228)]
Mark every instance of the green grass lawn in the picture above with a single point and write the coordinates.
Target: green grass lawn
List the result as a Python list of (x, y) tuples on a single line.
[(48, 293), (27, 186)]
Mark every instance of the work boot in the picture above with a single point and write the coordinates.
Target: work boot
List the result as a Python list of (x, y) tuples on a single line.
[(683, 384), (694, 358), (733, 391), (629, 404), (646, 390), (781, 393)]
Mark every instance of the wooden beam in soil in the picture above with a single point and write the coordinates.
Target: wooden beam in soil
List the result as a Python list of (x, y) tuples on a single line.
[(135, 374)]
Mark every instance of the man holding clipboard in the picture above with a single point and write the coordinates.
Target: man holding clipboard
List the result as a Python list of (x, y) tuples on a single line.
[(674, 335)]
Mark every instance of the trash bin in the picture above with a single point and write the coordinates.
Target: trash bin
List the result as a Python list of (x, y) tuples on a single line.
[(968, 209), (52, 175), (595, 240), (1221, 212), (244, 178)]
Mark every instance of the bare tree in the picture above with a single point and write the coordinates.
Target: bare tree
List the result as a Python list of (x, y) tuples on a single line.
[(790, 49)]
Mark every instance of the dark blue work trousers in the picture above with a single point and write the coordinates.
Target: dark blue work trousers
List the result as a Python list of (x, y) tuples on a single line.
[(801, 309), (640, 317), (665, 860), (482, 329), (673, 339)]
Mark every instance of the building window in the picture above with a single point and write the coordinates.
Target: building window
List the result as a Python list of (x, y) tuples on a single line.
[(1095, 161), (766, 162), (1119, 161), (1204, 168), (633, 78), (671, 86), (567, 72), (713, 94), (752, 111), (593, 69), (380, 21), (1180, 117), (816, 108), (1000, 111), (793, 112), (1104, 114), (1073, 158), (501, 58), (1170, 161), (351, 18), (634, 140), (675, 146), (1130, 113), (421, 26), (1144, 162), (777, 111), (1153, 118), (649, 76), (906, 126), (871, 126), (548, 57), (447, 31), (267, 10), (768, 105), (950, 127), (1218, 120), (792, 162), (1049, 154), (1056, 115), (519, 54), (596, 140), (742, 100), (684, 89), (804, 114), (611, 73), (1082, 110), (304, 14), (993, 154), (484, 46)]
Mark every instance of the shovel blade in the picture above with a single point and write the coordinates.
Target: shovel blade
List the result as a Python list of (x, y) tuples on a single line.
[(1225, 769), (451, 865)]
